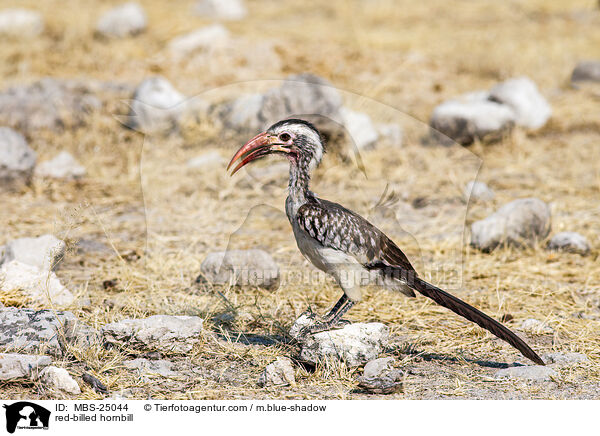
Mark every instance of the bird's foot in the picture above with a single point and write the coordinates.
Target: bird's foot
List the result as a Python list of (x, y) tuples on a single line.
[(323, 327)]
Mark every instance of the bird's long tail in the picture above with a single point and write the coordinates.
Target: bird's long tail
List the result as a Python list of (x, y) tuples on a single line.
[(478, 317)]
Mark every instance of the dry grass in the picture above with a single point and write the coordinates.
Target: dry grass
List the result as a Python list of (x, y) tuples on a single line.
[(396, 60)]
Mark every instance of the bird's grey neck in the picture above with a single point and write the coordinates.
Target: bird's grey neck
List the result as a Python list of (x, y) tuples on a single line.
[(299, 181)]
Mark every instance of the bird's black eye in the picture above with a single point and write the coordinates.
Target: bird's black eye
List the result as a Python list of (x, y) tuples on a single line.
[(285, 137)]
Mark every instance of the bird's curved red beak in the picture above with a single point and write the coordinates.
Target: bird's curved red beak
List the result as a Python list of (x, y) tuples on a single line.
[(259, 146)]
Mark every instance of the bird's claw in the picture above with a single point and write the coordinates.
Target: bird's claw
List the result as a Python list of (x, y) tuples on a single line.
[(323, 327)]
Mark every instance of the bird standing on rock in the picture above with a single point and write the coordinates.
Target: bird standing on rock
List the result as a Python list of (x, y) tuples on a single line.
[(344, 244)]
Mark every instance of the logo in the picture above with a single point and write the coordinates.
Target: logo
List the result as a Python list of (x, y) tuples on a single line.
[(26, 415)]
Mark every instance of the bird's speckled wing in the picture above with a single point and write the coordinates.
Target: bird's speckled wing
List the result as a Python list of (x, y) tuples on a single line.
[(336, 227)]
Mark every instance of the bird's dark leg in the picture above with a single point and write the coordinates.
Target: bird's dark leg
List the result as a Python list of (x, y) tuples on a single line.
[(335, 309), (332, 320)]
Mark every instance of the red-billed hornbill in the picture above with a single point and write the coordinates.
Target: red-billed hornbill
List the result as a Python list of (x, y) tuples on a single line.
[(344, 244)]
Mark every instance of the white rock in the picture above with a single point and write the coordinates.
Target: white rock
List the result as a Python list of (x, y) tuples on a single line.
[(535, 326), (380, 377), (278, 373), (203, 39), (149, 367), (172, 333), (241, 267), (243, 113), (478, 191), (211, 159), (360, 127), (4, 254), (13, 365), (42, 287), (37, 331), (44, 252), (221, 9), (20, 23), (302, 95), (570, 241), (63, 166), (522, 95), (59, 380), (48, 103), (533, 373), (122, 21), (564, 359), (518, 223), (586, 71), (469, 117), (376, 368), (355, 344), (156, 106), (391, 132), (17, 159)]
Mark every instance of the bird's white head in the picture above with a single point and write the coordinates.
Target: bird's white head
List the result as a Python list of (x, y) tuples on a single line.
[(296, 139)]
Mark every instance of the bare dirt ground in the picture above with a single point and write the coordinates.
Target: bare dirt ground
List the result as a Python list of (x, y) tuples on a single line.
[(159, 219)]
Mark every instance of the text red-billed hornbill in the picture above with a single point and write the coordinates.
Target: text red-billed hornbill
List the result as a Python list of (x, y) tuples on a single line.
[(344, 244)]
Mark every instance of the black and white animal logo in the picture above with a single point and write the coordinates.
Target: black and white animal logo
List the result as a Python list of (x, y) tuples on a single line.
[(26, 415)]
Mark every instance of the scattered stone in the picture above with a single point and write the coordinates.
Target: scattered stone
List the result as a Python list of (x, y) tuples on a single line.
[(156, 106), (522, 96), (570, 241), (17, 160), (44, 252), (13, 365), (211, 159), (478, 191), (204, 39), (379, 377), (40, 286), (489, 115), (391, 132), (63, 166), (535, 326), (471, 117), (355, 344), (278, 373), (148, 367), (360, 127), (303, 95), (378, 367), (47, 104), (58, 380), (4, 254), (517, 223), (20, 23), (533, 373), (586, 71), (40, 331), (221, 9), (122, 21), (241, 268), (243, 113), (170, 333), (564, 359)]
